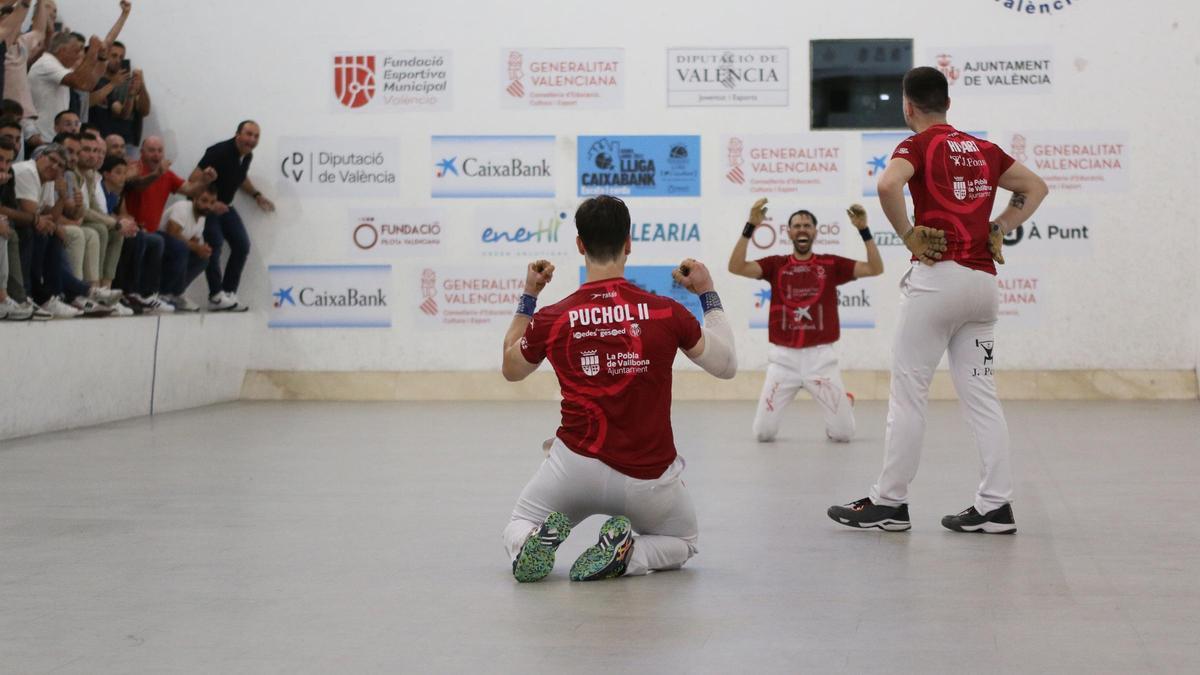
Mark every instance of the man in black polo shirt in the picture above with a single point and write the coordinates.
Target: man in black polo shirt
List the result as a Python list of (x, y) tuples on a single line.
[(231, 160)]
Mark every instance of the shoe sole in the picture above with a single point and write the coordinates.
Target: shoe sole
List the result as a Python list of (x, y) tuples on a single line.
[(600, 562), (984, 528), (887, 524), (535, 560)]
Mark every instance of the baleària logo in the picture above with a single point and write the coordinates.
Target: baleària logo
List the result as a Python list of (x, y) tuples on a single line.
[(354, 80)]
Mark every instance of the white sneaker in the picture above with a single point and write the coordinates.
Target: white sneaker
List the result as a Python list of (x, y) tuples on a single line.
[(221, 302), (181, 304), (59, 309), (121, 309), (11, 310), (156, 305), (237, 306), (90, 308), (106, 295), (36, 313)]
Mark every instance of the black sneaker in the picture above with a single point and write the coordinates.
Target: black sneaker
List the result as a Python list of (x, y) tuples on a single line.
[(999, 521), (864, 514)]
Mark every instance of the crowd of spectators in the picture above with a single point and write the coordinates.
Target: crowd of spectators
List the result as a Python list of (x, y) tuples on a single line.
[(93, 221)]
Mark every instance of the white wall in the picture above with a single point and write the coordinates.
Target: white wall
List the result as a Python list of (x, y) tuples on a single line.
[(1122, 65)]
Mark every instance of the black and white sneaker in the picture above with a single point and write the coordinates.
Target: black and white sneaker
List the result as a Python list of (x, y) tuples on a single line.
[(864, 514), (999, 521)]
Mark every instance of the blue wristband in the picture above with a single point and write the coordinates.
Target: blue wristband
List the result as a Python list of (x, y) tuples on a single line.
[(527, 304), (710, 301)]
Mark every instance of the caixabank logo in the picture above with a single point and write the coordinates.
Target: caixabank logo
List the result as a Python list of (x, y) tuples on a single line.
[(330, 296), (492, 166)]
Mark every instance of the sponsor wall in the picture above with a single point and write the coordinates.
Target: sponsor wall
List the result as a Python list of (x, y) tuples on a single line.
[(453, 149)]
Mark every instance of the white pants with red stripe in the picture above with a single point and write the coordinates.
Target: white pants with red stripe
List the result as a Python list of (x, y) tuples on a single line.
[(814, 369), (945, 307), (660, 509)]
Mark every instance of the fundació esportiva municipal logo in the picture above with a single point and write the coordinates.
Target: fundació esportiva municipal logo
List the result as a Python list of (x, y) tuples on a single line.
[(354, 80)]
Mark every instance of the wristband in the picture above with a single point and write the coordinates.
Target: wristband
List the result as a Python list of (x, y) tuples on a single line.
[(710, 301), (866, 233), (527, 304), (748, 230)]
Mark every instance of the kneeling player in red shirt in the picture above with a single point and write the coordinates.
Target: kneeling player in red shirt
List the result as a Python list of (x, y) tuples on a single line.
[(612, 346), (804, 320)]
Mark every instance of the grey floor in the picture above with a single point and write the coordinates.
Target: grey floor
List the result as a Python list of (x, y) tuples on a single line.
[(321, 538)]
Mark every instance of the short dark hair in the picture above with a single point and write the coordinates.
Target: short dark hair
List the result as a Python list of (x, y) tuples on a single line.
[(243, 123), (11, 108), (60, 115), (67, 136), (7, 144), (118, 43), (111, 163), (7, 122), (802, 212), (927, 89), (603, 225)]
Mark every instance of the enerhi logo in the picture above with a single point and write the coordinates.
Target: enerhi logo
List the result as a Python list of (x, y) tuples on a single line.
[(546, 231), (354, 80)]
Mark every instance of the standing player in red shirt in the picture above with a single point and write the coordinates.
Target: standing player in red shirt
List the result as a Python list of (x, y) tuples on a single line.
[(949, 304), (804, 320), (612, 346)]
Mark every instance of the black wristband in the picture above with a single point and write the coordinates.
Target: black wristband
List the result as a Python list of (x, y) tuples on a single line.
[(748, 230), (866, 233)]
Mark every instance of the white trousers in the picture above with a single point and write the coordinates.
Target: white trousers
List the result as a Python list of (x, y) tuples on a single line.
[(814, 369), (945, 306), (660, 510)]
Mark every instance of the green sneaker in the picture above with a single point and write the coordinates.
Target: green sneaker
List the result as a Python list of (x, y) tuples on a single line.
[(536, 558), (609, 558)]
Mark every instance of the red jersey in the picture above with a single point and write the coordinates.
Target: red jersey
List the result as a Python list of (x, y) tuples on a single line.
[(612, 346), (804, 304), (953, 188), (146, 205)]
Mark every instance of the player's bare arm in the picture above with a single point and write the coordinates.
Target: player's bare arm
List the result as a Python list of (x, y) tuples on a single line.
[(515, 368), (926, 243), (737, 260), (873, 266), (1028, 192)]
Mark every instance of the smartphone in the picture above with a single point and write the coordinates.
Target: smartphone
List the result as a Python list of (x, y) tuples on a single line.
[(126, 65)]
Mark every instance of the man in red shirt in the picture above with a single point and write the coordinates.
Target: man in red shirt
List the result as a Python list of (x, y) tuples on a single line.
[(804, 319), (951, 304), (612, 346)]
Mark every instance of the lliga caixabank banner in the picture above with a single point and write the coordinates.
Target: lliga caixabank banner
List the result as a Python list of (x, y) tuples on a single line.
[(492, 166), (639, 166), (392, 81), (330, 296), (332, 166), (562, 78)]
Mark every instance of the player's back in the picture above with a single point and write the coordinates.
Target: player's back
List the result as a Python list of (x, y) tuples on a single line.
[(613, 346)]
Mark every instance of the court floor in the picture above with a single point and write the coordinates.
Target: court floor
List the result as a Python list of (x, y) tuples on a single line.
[(339, 537)]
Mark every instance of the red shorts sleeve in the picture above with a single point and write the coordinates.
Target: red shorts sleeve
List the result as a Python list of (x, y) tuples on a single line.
[(769, 265), (533, 343), (909, 151), (1003, 161), (175, 181), (843, 270), (687, 327)]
